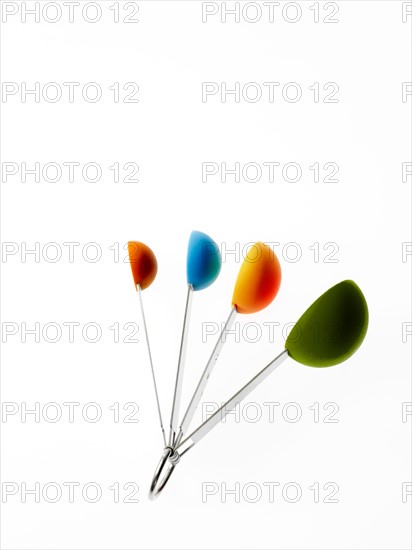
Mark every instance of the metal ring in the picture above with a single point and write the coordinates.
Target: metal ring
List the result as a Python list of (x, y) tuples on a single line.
[(170, 458)]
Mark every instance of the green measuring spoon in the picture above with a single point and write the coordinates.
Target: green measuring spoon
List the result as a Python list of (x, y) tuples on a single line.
[(328, 333)]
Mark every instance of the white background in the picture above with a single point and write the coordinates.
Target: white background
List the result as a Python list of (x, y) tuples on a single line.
[(169, 133)]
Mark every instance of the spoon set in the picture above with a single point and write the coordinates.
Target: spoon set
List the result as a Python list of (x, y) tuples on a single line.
[(328, 333)]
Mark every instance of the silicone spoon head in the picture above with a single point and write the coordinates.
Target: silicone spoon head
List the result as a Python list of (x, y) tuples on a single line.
[(332, 329), (258, 280), (203, 261), (143, 263)]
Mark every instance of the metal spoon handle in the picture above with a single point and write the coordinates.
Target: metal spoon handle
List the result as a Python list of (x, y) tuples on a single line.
[(197, 396), (139, 291), (174, 419), (220, 414)]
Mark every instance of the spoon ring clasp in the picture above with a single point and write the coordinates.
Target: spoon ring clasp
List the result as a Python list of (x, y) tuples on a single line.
[(164, 470)]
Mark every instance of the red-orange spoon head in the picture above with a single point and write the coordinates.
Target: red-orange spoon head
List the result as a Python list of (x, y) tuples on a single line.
[(143, 263)]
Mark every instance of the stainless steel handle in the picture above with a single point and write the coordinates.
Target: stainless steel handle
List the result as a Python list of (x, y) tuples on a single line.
[(197, 396), (220, 414)]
